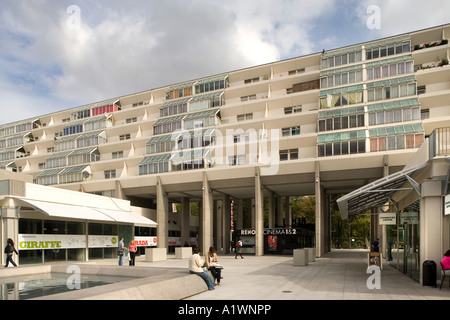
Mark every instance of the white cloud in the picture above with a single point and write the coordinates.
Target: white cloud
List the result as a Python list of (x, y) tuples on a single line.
[(126, 47)]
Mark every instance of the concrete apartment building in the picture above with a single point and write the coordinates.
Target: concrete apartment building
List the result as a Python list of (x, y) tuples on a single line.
[(321, 124)]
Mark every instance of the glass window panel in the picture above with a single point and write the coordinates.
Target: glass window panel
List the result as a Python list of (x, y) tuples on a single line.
[(385, 71), (398, 115), (411, 89), (375, 53), (353, 146), (410, 141), (321, 125), (358, 75), (344, 122), (382, 144), (337, 148), (389, 116), (415, 113), (352, 77), (372, 119), (407, 114), (403, 90), (401, 142), (393, 70), (380, 117), (361, 146), (391, 50), (418, 140), (391, 142), (374, 145), (353, 121), (351, 57), (329, 149), (344, 147), (344, 59), (337, 123)]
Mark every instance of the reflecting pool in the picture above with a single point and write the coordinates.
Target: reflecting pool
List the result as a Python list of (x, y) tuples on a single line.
[(38, 285)]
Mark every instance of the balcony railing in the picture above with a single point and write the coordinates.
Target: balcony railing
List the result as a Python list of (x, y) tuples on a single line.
[(440, 142)]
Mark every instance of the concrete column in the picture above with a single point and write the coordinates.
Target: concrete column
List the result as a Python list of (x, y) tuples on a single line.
[(319, 211), (218, 230), (162, 214), (259, 215), (207, 217), (271, 210), (226, 223), (185, 219), (279, 212), (288, 210), (240, 215), (431, 223), (9, 223), (252, 213)]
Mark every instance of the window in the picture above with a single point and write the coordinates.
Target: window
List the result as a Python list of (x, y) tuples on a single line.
[(236, 160), (292, 131), (290, 154), (294, 72), (110, 174), (243, 117), (104, 109), (125, 137), (251, 80), (117, 155), (130, 120), (212, 84), (248, 98), (294, 109), (137, 104), (388, 50)]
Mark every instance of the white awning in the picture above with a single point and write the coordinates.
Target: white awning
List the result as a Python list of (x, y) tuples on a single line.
[(69, 211), (377, 193)]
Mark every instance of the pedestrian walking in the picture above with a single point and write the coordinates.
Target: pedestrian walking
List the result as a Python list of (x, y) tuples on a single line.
[(9, 250), (239, 249)]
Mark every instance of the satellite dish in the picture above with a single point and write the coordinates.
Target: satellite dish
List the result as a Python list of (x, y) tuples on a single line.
[(85, 174)]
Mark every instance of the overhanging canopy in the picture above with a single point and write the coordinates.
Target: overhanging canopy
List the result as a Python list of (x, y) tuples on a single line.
[(377, 193), (68, 211)]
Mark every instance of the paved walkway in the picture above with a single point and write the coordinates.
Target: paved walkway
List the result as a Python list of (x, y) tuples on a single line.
[(338, 275)]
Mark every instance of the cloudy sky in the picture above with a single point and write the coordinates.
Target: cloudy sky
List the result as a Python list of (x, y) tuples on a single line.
[(58, 54)]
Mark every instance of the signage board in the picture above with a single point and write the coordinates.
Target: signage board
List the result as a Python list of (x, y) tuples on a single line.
[(409, 218), (64, 241), (388, 218), (142, 241)]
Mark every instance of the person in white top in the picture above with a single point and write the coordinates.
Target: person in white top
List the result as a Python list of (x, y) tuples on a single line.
[(196, 266)]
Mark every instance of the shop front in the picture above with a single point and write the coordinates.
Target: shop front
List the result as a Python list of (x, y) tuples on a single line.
[(403, 241), (53, 225), (278, 240)]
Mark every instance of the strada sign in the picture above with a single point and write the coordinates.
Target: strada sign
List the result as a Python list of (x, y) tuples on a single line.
[(145, 241)]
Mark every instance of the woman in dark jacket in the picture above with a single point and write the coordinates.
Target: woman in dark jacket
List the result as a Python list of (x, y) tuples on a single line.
[(9, 250)]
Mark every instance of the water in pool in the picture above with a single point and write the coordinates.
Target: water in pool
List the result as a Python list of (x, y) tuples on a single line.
[(33, 286)]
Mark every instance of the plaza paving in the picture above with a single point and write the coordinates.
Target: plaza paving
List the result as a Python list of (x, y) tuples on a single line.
[(338, 275)]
